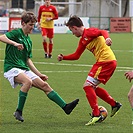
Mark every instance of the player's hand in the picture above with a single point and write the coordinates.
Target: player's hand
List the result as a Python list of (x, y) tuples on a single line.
[(44, 77), (48, 19), (38, 25), (108, 41), (19, 46), (129, 75), (60, 57)]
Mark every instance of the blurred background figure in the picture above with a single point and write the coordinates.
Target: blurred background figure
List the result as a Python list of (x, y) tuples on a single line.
[(46, 14)]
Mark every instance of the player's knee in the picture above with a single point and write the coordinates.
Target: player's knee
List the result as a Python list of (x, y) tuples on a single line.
[(46, 87), (27, 85), (129, 96), (44, 41), (88, 84), (29, 82), (51, 41), (90, 81)]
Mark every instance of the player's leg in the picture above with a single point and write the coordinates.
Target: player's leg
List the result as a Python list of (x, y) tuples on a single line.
[(130, 99), (50, 47), (26, 84), (104, 75), (50, 35), (45, 45), (89, 88), (104, 95), (15, 77), (54, 96)]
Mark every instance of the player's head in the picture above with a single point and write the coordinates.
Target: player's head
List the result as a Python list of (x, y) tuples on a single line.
[(74, 21), (28, 17), (28, 21), (75, 25), (47, 2)]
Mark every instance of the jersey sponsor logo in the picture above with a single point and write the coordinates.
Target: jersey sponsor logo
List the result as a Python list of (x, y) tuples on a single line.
[(50, 9), (86, 39), (20, 39), (43, 9)]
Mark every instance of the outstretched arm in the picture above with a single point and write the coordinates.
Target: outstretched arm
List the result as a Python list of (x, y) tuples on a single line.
[(74, 56), (4, 39)]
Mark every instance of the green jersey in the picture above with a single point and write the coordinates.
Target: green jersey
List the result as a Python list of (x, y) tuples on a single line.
[(15, 58)]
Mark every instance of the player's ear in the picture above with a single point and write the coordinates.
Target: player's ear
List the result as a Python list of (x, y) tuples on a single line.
[(22, 23), (75, 27)]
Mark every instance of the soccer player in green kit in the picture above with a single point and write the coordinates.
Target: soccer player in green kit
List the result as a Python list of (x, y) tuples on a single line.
[(19, 68)]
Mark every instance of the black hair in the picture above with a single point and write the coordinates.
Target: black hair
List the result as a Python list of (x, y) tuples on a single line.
[(74, 21)]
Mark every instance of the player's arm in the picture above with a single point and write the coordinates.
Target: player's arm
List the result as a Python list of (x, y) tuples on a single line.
[(35, 70), (55, 15), (39, 18), (3, 38), (95, 32), (39, 15), (105, 34), (55, 12), (74, 56)]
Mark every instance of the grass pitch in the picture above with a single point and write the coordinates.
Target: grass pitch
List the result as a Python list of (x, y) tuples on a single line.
[(67, 77)]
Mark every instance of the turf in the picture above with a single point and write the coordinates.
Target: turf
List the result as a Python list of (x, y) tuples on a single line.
[(67, 77)]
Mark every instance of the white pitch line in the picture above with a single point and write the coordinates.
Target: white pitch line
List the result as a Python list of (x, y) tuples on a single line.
[(61, 64), (65, 50), (66, 64), (84, 71), (63, 71)]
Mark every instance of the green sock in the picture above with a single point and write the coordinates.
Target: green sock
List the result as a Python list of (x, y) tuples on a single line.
[(21, 100), (56, 98)]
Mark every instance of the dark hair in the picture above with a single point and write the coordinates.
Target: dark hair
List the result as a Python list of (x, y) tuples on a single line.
[(27, 17), (74, 21)]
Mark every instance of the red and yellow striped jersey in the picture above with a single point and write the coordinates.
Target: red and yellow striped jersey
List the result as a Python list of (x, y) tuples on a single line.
[(47, 12), (93, 39), (100, 50)]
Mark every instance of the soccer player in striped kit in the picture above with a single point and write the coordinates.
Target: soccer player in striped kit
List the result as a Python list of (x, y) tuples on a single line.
[(46, 15), (98, 42)]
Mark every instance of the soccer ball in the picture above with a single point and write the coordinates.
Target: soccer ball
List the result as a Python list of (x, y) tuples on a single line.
[(103, 112)]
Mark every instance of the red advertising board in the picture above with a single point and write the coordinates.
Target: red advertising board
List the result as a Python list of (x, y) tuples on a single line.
[(14, 23), (120, 25)]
